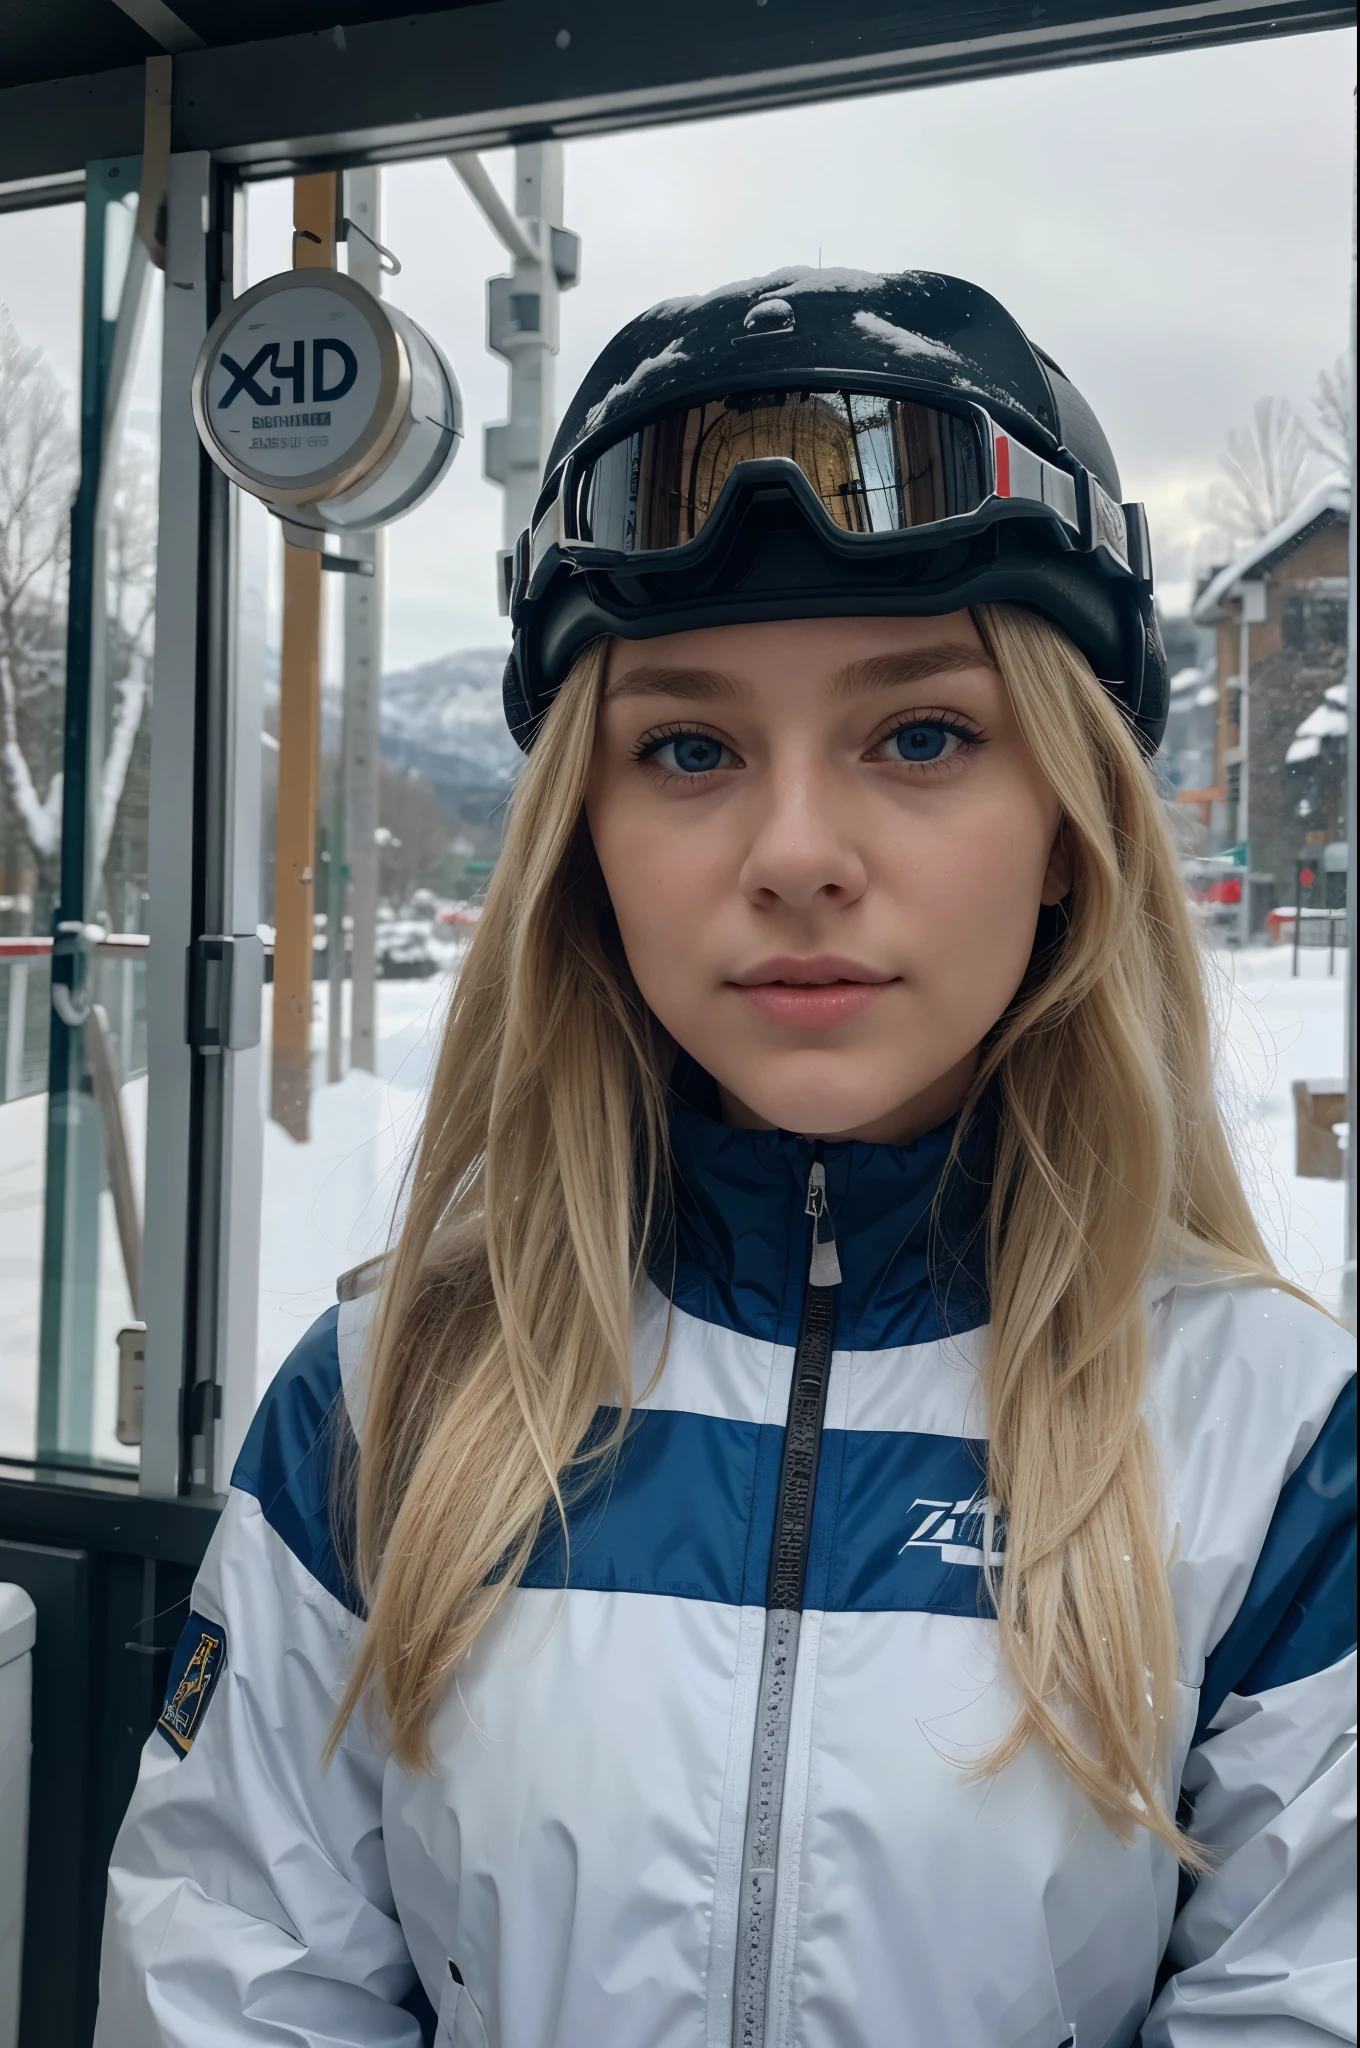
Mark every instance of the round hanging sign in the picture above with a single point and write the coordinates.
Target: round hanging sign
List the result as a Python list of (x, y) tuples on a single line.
[(325, 402)]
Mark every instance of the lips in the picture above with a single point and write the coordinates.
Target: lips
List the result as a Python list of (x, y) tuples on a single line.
[(815, 970), (813, 993)]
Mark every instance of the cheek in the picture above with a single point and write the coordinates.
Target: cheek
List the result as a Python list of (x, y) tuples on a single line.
[(664, 884), (973, 892)]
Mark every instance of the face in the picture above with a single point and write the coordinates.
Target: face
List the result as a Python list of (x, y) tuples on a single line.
[(826, 844)]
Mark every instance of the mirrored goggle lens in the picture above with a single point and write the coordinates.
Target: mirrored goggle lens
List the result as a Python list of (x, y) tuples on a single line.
[(878, 465)]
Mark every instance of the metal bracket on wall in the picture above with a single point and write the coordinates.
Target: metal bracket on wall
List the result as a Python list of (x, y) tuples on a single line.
[(203, 1397), (314, 537), (225, 986), (155, 177)]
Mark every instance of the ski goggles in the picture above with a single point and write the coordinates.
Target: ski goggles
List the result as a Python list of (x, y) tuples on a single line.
[(876, 465)]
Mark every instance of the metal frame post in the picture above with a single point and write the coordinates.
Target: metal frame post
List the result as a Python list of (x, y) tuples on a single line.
[(363, 757), (314, 211), (184, 1116), (229, 1326), (362, 741), (1348, 1275), (523, 327), (111, 322)]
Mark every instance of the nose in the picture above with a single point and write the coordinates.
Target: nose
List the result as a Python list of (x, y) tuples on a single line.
[(804, 850)]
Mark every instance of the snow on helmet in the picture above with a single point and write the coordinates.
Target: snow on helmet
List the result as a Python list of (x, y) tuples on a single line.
[(821, 444)]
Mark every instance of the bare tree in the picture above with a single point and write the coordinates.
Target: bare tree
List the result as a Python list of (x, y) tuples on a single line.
[(131, 599), (37, 477), (1334, 419), (37, 470), (413, 837), (1265, 470)]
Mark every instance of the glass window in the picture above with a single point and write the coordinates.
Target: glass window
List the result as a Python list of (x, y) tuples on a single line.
[(79, 416), (40, 262), (1170, 353), (413, 764)]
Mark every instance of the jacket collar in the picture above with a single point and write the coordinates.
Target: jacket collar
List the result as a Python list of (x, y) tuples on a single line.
[(909, 1237)]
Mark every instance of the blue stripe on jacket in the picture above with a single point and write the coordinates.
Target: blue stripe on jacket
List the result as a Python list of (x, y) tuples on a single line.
[(1298, 1616), (687, 1511), (296, 1451)]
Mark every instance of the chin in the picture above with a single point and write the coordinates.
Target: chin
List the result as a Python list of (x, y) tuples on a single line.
[(822, 1112)]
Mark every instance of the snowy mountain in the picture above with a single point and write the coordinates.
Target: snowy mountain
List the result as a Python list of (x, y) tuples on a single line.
[(444, 720)]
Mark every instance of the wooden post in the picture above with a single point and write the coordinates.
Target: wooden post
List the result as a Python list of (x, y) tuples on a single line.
[(314, 202)]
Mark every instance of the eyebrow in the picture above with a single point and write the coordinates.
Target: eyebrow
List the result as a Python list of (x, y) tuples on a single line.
[(700, 685), (857, 679), (891, 671)]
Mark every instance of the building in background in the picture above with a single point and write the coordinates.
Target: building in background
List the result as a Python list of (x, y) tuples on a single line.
[(1279, 613), (1186, 758)]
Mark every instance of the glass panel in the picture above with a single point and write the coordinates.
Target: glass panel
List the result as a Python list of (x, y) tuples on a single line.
[(40, 262), (438, 781), (79, 412), (644, 206)]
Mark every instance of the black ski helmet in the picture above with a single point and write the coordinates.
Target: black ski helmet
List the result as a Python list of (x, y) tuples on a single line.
[(967, 470)]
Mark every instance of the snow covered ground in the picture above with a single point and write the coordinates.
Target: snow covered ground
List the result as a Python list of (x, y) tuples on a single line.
[(23, 1138), (1272, 1032), (330, 1203)]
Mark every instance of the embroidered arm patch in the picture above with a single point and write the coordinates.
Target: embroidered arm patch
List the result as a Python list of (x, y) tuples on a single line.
[(199, 1659)]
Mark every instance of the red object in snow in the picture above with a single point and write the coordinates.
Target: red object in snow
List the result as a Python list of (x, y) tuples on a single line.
[(1229, 890)]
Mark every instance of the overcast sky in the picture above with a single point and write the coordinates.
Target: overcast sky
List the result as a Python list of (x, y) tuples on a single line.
[(1175, 230)]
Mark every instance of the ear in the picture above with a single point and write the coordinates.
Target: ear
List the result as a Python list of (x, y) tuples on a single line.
[(1058, 874)]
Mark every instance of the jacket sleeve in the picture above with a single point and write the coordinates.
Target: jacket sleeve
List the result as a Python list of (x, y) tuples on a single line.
[(249, 1900), (1262, 1950)]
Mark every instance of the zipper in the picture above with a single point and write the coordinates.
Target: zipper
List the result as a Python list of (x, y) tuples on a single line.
[(783, 1612)]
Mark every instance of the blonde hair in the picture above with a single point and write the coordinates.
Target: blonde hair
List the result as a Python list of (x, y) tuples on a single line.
[(505, 1320)]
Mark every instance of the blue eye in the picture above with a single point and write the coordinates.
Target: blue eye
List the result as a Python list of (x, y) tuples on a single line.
[(688, 753), (923, 742)]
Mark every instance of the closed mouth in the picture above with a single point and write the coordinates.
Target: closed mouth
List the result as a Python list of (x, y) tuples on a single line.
[(814, 973)]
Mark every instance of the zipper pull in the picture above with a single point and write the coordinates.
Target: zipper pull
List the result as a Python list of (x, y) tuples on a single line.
[(825, 1269)]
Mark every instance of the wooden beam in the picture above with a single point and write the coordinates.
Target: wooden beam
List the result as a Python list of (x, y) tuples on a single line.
[(314, 209)]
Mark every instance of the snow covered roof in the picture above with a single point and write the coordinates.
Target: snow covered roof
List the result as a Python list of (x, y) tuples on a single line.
[(1257, 559), (1328, 722), (1200, 681)]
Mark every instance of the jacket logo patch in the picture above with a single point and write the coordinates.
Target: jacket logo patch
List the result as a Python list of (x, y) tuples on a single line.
[(957, 1530), (195, 1669)]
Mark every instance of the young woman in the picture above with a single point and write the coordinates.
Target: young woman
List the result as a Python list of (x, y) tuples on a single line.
[(833, 1534)]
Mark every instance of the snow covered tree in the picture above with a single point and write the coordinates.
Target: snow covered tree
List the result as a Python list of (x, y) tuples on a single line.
[(37, 475), (37, 478)]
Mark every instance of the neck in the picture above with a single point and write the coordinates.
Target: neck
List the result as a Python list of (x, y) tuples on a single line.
[(898, 1126)]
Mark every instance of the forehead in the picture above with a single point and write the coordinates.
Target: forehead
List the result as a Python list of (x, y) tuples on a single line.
[(810, 650)]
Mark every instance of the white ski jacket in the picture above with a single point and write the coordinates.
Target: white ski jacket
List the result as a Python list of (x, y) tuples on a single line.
[(710, 1790)]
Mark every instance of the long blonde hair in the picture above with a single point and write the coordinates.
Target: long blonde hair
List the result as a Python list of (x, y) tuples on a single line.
[(505, 1320)]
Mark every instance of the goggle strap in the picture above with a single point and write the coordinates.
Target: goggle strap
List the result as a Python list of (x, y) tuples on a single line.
[(1020, 473), (1118, 531)]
